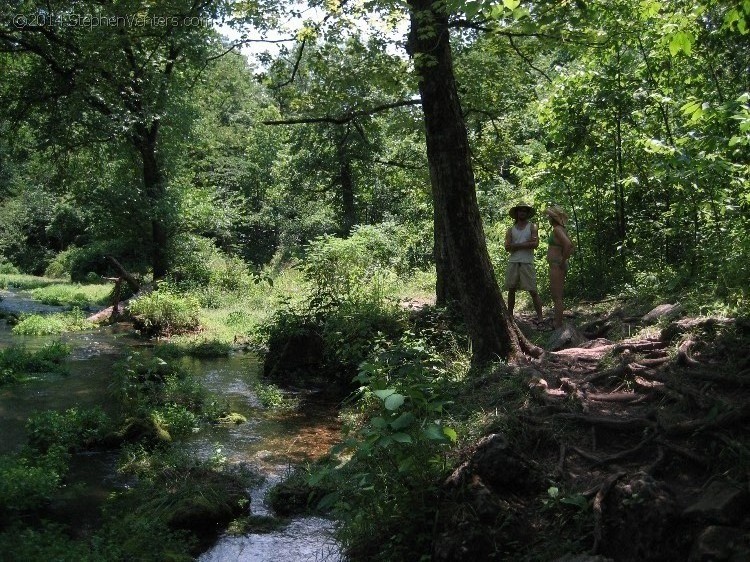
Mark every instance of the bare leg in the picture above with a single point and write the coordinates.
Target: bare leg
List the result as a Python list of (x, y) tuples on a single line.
[(537, 305), (511, 300), (556, 284)]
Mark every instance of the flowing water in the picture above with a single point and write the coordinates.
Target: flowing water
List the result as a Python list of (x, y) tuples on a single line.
[(269, 442)]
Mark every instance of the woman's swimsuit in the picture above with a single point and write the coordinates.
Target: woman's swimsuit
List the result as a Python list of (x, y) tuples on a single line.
[(558, 261)]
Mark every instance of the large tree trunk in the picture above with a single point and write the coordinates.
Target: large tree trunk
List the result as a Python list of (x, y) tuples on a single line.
[(348, 210), (490, 327), (446, 291), (153, 184)]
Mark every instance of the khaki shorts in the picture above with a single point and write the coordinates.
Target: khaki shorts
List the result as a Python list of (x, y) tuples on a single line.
[(520, 276)]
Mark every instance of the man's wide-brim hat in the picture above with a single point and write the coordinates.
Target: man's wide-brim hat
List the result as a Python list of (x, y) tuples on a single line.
[(557, 214), (530, 212)]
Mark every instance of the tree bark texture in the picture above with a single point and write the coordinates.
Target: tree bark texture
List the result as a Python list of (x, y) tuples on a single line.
[(153, 184), (453, 187), (348, 209)]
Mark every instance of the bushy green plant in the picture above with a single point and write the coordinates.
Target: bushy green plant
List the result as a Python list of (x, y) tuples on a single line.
[(180, 494), (39, 325), (273, 398), (358, 268), (44, 543), (8, 268), (18, 364), (177, 419), (165, 311), (387, 489), (162, 391), (28, 481), (72, 430)]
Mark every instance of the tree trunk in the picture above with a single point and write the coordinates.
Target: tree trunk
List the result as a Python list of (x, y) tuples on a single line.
[(153, 184), (348, 211), (490, 327), (445, 285)]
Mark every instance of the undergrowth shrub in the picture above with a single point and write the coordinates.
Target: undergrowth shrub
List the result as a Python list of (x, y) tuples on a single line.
[(165, 311), (359, 268), (50, 324), (73, 430), (164, 392), (30, 480), (392, 460), (18, 364)]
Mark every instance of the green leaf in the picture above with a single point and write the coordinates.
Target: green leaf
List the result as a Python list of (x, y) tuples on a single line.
[(401, 438), (403, 421), (328, 501), (383, 394), (434, 432), (511, 4), (471, 9), (394, 401), (378, 423), (681, 42), (450, 433)]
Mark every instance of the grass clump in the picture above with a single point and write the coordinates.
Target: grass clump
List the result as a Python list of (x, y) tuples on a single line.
[(24, 282), (74, 295), (273, 398), (17, 364), (52, 324), (166, 311)]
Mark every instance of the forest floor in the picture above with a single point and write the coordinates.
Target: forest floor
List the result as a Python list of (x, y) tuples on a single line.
[(629, 442)]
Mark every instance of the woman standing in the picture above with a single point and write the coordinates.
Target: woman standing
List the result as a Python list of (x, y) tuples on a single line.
[(560, 248)]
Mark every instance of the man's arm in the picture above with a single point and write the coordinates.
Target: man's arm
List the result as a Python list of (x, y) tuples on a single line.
[(509, 246)]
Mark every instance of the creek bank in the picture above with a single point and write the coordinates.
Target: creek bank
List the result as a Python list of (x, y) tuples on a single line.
[(615, 450)]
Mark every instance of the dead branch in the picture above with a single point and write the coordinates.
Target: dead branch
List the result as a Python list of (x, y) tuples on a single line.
[(131, 281)]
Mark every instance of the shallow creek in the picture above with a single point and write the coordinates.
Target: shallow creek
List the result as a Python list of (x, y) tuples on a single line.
[(269, 442)]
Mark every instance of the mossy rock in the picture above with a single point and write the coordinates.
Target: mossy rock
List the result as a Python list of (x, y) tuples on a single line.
[(146, 430), (207, 504), (232, 418)]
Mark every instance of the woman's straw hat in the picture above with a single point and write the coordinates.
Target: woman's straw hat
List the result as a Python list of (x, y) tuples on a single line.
[(530, 212), (557, 214)]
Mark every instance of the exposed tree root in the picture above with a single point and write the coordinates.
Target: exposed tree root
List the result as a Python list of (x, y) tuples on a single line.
[(683, 354), (627, 424), (599, 508)]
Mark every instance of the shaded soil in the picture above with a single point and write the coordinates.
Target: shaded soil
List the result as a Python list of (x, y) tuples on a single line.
[(627, 449)]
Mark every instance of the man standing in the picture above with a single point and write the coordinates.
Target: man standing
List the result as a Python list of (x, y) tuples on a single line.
[(521, 240)]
